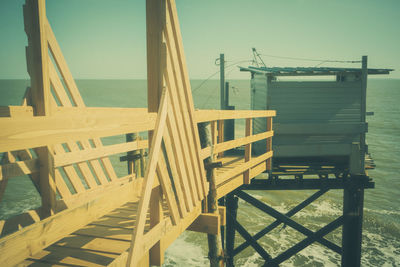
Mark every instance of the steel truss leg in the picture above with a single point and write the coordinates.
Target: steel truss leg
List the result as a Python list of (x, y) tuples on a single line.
[(353, 203), (231, 211)]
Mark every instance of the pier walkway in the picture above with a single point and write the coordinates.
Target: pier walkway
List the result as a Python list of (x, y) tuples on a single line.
[(90, 215)]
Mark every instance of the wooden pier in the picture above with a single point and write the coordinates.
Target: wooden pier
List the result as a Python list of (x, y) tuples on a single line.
[(88, 215)]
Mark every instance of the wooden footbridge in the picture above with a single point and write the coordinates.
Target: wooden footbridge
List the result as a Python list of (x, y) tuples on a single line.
[(89, 215)]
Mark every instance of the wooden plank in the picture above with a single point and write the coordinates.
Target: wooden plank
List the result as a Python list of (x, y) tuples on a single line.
[(21, 133), (174, 24), (222, 215), (70, 171), (247, 152), (224, 189), (61, 187), (98, 170), (97, 244), (19, 221), (207, 223), (179, 129), (105, 161), (16, 111), (57, 255), (149, 179), (83, 166), (227, 175), (94, 153), (182, 189), (62, 65), (185, 176), (163, 177), (176, 80), (32, 239), (73, 201), (18, 168), (58, 87), (241, 141), (256, 170), (214, 115)]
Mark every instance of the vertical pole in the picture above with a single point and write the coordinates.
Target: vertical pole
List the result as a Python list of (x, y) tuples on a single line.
[(214, 247), (269, 144), (37, 58), (222, 80), (364, 77), (37, 55), (131, 164), (47, 180), (156, 61), (353, 201), (229, 133), (247, 151), (231, 212), (221, 128), (226, 100)]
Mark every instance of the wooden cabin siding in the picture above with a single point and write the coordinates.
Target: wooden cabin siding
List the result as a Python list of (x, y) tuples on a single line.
[(314, 118)]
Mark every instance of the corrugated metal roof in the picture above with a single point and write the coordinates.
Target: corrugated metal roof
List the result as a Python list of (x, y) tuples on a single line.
[(306, 71)]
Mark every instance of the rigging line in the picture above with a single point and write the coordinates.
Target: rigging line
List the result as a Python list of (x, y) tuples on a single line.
[(311, 59), (212, 75), (209, 96)]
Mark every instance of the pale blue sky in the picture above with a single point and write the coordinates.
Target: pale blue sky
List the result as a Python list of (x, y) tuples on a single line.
[(106, 39)]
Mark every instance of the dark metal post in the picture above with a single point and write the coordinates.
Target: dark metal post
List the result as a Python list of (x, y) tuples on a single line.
[(222, 80), (229, 127), (353, 202), (130, 154), (364, 77), (231, 212)]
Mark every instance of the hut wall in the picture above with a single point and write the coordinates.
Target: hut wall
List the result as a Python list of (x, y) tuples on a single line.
[(314, 118)]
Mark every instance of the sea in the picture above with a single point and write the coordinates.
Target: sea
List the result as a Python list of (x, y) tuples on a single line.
[(381, 225)]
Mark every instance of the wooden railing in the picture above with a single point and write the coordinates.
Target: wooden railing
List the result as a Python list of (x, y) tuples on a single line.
[(219, 145)]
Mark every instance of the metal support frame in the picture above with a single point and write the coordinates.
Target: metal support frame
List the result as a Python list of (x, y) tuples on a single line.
[(351, 219)]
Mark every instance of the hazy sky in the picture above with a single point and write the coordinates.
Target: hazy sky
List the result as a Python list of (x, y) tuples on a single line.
[(106, 39)]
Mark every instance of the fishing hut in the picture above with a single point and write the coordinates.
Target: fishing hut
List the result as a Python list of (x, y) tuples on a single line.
[(319, 144), (321, 124)]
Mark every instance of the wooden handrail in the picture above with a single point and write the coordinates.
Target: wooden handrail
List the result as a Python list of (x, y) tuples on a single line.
[(214, 115), (68, 124)]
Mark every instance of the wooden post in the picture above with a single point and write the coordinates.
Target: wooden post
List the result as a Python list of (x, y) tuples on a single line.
[(37, 55), (222, 80), (47, 180), (214, 242), (156, 62), (247, 152), (37, 58), (156, 214)]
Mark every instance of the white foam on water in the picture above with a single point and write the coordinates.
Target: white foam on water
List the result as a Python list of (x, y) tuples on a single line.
[(185, 253)]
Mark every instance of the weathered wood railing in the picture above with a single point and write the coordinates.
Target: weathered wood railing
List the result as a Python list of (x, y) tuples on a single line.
[(78, 197), (74, 177), (249, 166)]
